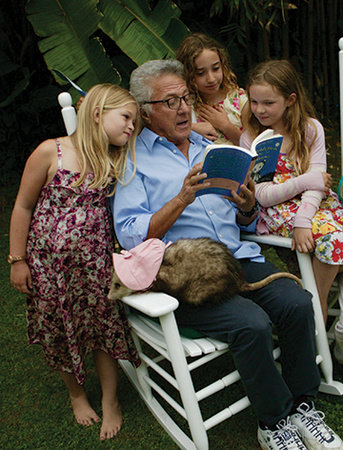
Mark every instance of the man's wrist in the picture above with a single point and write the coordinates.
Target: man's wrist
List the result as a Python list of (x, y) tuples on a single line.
[(249, 213)]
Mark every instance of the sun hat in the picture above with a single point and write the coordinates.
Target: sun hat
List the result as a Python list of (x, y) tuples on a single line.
[(138, 267)]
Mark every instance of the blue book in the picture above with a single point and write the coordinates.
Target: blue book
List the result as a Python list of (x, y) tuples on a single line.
[(229, 166)]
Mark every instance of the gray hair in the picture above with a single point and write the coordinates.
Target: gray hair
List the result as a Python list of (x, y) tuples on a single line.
[(140, 87)]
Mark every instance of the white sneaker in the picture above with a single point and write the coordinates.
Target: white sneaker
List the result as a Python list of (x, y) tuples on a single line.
[(285, 437), (313, 430)]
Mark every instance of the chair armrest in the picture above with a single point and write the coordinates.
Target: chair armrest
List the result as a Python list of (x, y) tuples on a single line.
[(269, 239), (154, 304)]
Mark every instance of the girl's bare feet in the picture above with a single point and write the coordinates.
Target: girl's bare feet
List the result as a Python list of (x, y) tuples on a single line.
[(111, 419), (83, 412)]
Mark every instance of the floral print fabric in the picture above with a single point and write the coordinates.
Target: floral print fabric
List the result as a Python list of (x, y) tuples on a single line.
[(327, 223), (233, 105), (70, 246)]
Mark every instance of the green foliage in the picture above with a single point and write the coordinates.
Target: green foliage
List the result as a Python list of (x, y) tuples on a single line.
[(130, 22), (66, 28), (71, 35)]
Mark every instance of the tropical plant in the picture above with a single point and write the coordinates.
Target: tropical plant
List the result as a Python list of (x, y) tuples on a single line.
[(80, 38)]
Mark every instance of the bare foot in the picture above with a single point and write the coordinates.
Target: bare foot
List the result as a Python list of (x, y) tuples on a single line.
[(111, 421), (83, 412)]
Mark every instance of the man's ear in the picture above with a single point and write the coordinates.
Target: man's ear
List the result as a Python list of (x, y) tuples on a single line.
[(96, 114), (145, 116), (292, 99)]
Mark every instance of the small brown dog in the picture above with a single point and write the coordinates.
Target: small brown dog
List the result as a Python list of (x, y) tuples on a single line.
[(198, 271)]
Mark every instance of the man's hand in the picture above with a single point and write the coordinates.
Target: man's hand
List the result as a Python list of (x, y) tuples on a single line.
[(191, 184), (302, 240), (245, 200)]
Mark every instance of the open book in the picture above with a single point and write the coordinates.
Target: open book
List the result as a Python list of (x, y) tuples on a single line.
[(229, 166)]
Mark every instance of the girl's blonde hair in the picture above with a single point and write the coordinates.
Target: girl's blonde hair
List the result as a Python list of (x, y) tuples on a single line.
[(282, 76), (190, 48), (107, 162)]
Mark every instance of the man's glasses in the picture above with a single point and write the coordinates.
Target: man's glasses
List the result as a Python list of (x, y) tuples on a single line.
[(175, 102)]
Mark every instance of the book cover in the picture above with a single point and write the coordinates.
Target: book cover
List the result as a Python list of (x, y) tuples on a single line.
[(229, 166), (267, 157)]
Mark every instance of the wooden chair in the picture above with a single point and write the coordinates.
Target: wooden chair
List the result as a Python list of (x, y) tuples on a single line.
[(165, 378)]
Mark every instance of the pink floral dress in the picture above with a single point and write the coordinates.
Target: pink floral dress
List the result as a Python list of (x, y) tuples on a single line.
[(327, 223), (69, 248)]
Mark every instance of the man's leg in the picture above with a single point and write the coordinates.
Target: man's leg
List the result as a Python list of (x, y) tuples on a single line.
[(290, 309), (247, 329)]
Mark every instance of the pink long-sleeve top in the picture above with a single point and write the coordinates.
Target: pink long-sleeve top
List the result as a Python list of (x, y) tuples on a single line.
[(310, 184)]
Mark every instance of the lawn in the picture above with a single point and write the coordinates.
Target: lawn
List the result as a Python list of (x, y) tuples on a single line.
[(34, 406)]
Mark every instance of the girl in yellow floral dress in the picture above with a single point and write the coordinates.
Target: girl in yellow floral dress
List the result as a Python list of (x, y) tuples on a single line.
[(298, 202)]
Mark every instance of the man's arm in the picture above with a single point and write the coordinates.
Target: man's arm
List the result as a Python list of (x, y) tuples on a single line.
[(133, 216), (163, 219)]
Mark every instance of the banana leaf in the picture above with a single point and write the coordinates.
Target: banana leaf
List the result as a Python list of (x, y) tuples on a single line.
[(143, 33), (66, 29)]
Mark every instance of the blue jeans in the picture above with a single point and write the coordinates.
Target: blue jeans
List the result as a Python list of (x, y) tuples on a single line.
[(245, 322)]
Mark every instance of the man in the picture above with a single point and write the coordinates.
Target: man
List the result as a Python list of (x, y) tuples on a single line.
[(159, 202)]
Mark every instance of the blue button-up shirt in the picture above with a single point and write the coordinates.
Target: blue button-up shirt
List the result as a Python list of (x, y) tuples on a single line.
[(161, 170)]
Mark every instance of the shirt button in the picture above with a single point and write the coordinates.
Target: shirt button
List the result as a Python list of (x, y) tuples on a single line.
[(210, 213), (220, 235), (174, 151)]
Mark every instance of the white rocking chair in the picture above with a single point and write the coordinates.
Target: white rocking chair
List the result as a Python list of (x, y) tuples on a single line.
[(164, 379)]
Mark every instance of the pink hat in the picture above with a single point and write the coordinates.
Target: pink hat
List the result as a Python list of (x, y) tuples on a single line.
[(137, 268)]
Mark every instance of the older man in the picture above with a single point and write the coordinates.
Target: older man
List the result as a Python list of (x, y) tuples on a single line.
[(160, 202)]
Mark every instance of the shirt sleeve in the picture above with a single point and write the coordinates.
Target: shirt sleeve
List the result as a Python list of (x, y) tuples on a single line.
[(131, 214), (311, 199), (309, 184)]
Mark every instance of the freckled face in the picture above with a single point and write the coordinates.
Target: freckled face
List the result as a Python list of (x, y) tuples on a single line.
[(209, 74), (119, 123), (175, 125), (268, 105)]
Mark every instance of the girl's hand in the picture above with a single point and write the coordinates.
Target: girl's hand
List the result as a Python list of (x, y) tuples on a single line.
[(216, 115), (206, 130), (21, 277), (302, 240), (327, 177)]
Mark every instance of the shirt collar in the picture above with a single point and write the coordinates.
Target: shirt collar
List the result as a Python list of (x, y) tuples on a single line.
[(149, 138)]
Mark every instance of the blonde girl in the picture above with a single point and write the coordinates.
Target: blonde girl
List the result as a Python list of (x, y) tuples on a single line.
[(220, 112), (298, 202), (61, 247)]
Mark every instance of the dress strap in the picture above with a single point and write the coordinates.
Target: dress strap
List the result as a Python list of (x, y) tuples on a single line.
[(59, 154)]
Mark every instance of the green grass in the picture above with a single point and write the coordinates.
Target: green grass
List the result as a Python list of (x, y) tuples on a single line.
[(34, 407)]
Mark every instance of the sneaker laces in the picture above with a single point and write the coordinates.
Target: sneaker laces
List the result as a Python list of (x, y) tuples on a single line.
[(314, 421), (286, 435)]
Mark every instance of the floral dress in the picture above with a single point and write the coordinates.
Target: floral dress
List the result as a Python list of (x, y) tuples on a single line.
[(327, 223), (233, 105), (69, 248)]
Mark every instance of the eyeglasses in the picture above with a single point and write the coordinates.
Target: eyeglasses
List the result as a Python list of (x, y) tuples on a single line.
[(175, 102)]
